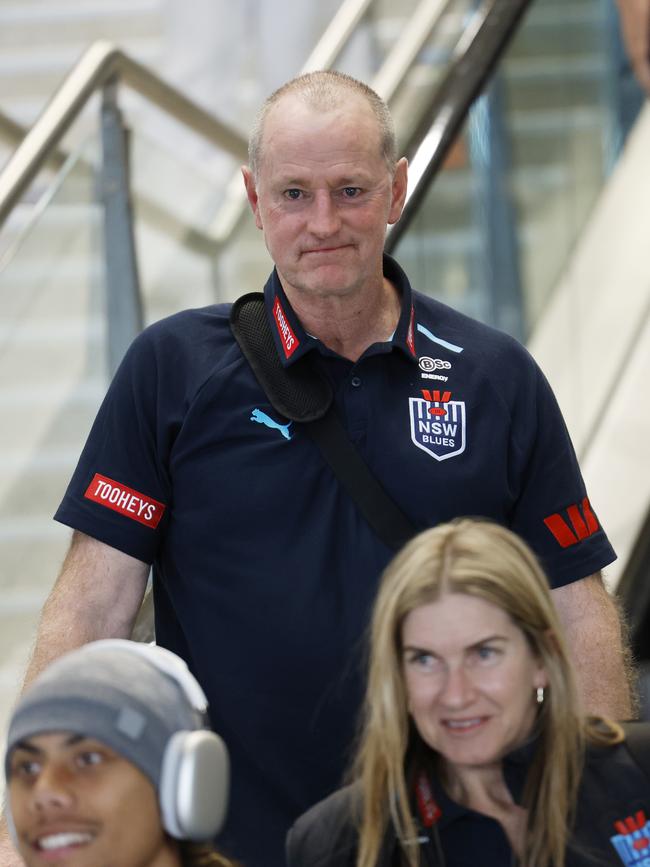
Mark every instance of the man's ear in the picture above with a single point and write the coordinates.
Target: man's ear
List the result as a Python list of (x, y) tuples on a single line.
[(398, 190), (251, 194)]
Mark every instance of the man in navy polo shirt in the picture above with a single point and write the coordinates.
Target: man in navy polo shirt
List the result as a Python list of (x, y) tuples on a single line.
[(264, 569)]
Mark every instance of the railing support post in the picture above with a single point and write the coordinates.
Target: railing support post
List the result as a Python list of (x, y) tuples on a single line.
[(494, 213), (123, 300)]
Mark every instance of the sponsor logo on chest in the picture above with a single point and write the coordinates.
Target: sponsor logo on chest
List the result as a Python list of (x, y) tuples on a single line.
[(438, 424), (428, 365), (632, 843)]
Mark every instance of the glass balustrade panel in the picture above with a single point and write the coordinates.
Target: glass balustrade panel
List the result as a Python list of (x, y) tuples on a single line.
[(53, 374), (178, 185), (500, 221)]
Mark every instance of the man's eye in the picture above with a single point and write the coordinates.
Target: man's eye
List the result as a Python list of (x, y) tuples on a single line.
[(293, 194), (90, 757), (351, 192), (25, 768)]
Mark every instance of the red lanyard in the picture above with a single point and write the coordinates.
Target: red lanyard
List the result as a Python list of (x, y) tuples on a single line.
[(428, 809)]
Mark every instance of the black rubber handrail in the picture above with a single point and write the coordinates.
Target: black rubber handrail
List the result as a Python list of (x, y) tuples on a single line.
[(475, 58)]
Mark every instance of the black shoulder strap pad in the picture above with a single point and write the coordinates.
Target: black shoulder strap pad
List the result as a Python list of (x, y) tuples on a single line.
[(298, 392), (301, 393)]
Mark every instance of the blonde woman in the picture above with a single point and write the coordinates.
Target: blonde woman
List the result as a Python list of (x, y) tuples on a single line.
[(473, 747)]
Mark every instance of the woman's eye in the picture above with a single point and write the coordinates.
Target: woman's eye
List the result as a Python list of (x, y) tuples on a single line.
[(421, 659), (487, 653)]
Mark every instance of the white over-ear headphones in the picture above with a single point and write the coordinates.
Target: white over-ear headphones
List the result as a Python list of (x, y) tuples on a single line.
[(165, 661), (195, 773), (194, 785)]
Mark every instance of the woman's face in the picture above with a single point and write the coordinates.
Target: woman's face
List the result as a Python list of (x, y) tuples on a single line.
[(470, 678)]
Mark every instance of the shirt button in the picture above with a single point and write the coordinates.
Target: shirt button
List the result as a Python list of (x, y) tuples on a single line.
[(355, 381)]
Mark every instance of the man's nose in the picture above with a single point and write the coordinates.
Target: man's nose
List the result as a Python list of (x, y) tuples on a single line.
[(52, 791), (459, 689), (324, 219)]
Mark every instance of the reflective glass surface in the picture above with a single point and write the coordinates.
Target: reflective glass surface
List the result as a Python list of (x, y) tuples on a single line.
[(52, 376), (502, 218)]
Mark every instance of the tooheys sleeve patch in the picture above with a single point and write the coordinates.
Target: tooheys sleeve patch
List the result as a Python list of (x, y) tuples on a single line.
[(120, 498)]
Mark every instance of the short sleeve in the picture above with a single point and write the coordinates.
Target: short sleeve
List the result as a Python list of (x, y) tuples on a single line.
[(120, 491), (552, 509)]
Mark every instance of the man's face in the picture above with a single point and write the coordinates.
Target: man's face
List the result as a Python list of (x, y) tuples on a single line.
[(76, 803), (323, 196)]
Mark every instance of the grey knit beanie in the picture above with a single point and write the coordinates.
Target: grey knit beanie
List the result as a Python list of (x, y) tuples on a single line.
[(131, 697)]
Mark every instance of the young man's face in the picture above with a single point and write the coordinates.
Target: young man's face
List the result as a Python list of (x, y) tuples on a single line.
[(76, 803)]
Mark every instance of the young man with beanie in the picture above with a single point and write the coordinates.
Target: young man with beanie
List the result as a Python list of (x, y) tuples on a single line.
[(108, 761)]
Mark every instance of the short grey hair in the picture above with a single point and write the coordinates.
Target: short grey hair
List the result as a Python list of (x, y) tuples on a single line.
[(325, 90)]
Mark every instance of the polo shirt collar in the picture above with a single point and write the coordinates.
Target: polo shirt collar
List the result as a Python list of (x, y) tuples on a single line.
[(290, 338), (405, 336), (292, 341), (515, 770)]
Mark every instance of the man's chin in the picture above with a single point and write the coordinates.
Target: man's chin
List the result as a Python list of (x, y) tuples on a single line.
[(323, 281)]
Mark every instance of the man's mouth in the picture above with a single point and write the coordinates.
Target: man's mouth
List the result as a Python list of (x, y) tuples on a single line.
[(53, 844), (332, 249)]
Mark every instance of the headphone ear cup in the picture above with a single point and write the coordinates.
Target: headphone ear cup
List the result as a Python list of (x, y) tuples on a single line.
[(194, 785)]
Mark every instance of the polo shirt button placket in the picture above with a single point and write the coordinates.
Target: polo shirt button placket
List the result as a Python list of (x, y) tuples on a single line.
[(355, 382)]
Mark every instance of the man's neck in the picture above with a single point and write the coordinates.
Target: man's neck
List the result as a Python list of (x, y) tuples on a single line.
[(349, 324)]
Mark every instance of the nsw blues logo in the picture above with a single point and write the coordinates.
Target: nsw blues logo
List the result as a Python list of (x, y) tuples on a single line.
[(632, 842), (438, 424)]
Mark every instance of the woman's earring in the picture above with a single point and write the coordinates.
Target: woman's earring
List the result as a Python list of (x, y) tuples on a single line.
[(540, 695)]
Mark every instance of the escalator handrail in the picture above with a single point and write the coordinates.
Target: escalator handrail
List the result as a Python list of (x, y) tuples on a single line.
[(100, 64), (11, 132), (337, 35), (387, 82), (476, 55), (426, 17)]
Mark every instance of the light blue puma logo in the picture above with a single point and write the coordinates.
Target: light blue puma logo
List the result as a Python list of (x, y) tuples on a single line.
[(262, 418)]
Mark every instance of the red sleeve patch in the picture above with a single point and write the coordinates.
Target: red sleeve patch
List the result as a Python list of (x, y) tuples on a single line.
[(583, 523), (125, 500)]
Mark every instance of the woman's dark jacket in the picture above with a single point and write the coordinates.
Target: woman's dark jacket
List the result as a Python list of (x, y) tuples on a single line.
[(611, 828)]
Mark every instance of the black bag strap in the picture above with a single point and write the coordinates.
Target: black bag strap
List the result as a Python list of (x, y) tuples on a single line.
[(303, 395), (378, 508), (637, 739)]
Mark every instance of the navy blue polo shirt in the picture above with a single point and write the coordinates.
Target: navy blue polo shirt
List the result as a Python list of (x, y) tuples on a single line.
[(469, 838), (611, 814), (264, 570)]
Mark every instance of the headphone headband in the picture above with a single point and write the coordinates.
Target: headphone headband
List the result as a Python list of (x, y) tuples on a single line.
[(163, 660)]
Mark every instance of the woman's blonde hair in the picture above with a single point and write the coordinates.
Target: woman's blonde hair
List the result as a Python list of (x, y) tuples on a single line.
[(485, 560)]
